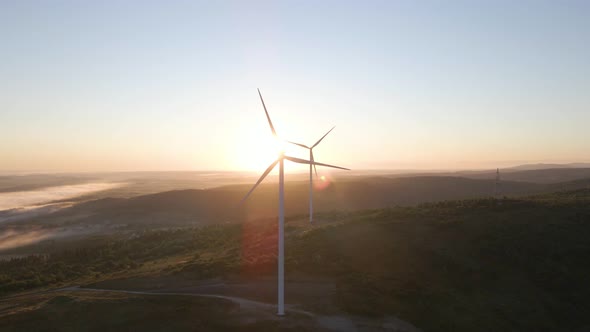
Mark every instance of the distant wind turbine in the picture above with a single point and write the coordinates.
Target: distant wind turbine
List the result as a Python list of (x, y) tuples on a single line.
[(310, 172), (281, 255)]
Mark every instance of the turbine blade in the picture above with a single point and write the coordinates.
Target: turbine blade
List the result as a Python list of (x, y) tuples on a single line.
[(326, 134), (267, 116), (268, 170), (332, 166), (307, 162), (297, 160), (301, 145)]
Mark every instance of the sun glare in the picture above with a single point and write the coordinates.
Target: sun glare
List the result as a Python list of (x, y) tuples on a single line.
[(256, 153)]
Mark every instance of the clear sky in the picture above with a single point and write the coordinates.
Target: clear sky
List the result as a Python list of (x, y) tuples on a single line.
[(171, 85)]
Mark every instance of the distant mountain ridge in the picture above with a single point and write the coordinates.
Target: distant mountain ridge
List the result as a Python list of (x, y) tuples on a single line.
[(207, 206), (542, 176), (539, 166), (539, 176)]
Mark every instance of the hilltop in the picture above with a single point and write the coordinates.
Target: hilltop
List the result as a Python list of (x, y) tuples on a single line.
[(462, 265)]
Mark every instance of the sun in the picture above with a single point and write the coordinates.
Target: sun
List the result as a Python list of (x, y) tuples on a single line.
[(257, 152)]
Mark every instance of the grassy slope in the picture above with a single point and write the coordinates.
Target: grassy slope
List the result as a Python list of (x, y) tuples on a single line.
[(474, 265), (463, 266), (85, 312)]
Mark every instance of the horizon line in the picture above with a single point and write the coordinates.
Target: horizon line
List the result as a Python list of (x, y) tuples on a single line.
[(364, 169)]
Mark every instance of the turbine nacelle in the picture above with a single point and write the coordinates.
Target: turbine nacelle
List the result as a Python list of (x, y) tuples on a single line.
[(311, 150)]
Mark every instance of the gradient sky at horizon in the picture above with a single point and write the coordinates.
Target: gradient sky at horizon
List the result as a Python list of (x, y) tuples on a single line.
[(171, 85)]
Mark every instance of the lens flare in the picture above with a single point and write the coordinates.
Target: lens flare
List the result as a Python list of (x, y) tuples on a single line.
[(323, 182)]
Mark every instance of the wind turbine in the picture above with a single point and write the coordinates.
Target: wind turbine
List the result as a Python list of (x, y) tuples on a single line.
[(281, 243), (310, 173)]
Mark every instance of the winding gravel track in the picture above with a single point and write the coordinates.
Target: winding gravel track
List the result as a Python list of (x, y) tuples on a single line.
[(242, 302)]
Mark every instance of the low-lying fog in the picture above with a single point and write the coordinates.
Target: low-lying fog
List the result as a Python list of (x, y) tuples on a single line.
[(18, 205), (28, 196), (31, 198), (40, 193)]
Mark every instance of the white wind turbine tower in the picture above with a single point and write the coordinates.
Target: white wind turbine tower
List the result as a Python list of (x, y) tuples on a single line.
[(281, 255), (310, 172)]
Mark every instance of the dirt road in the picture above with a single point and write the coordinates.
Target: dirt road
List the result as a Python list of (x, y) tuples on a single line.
[(256, 310)]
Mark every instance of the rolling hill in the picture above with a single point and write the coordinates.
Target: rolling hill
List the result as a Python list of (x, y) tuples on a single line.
[(199, 207), (462, 265)]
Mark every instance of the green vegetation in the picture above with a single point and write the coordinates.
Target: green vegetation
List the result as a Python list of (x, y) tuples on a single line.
[(104, 257), (471, 265), (476, 265)]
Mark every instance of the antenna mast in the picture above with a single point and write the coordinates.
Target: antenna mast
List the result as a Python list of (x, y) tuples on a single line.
[(497, 184)]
